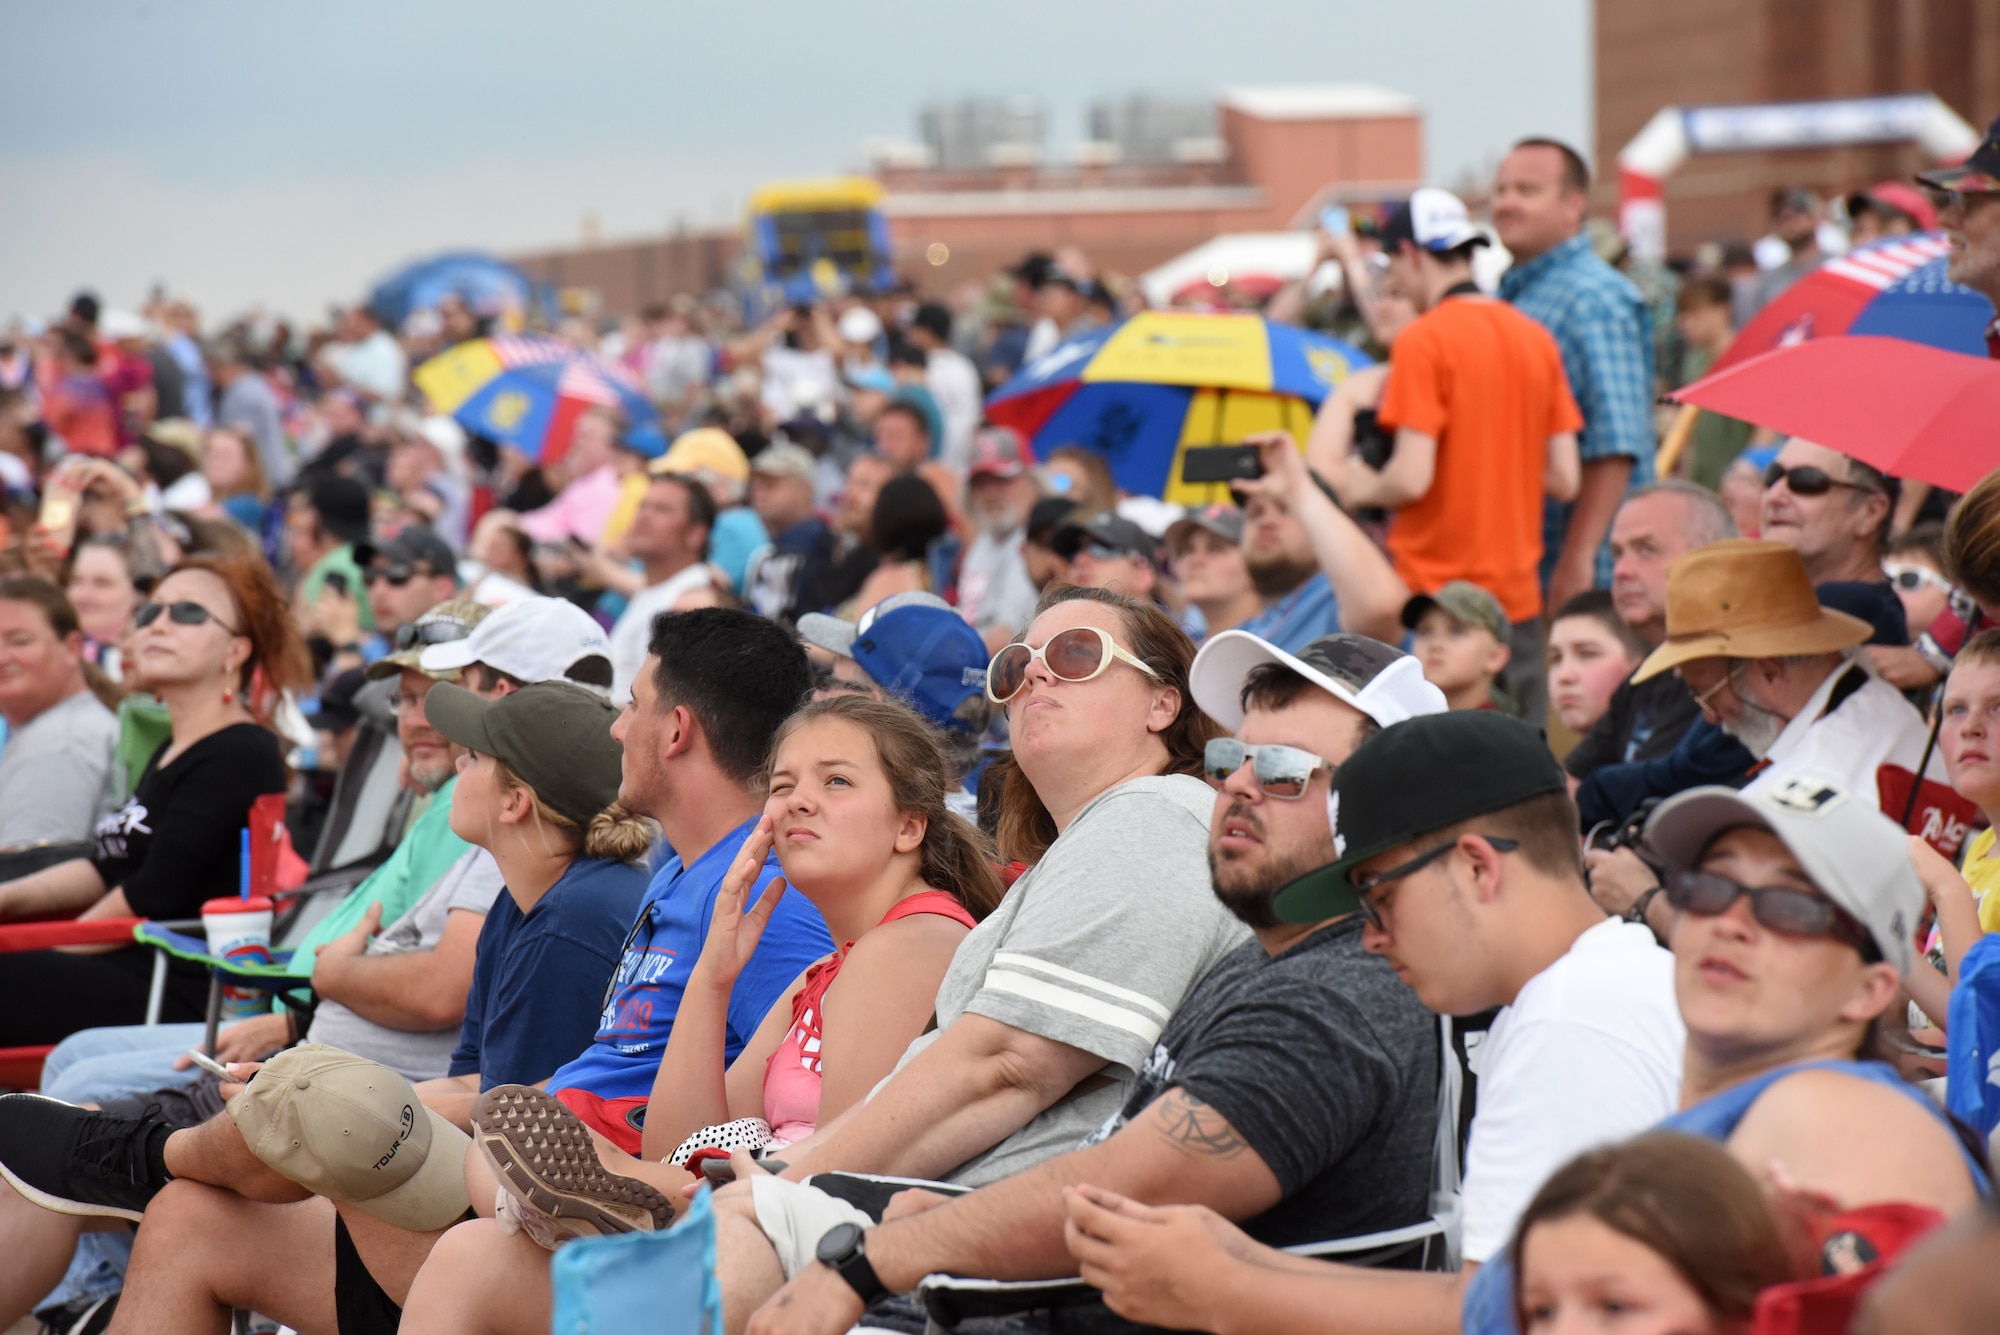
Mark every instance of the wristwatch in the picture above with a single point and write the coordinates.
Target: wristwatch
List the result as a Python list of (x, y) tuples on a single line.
[(840, 1248), (1637, 913)]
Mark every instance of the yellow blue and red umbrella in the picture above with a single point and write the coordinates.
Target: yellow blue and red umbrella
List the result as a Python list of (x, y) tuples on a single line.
[(1142, 391), (528, 391)]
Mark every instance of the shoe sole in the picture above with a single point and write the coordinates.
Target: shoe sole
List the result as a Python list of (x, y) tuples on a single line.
[(544, 1155), (62, 1204)]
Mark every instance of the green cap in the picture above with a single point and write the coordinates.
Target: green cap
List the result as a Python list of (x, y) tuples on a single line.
[(1464, 601), (556, 736), (1424, 774)]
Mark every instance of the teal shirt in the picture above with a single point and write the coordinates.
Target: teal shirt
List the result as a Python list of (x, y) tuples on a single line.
[(424, 854)]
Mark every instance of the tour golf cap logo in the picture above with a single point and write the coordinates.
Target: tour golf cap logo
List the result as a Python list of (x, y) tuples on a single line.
[(1807, 796)]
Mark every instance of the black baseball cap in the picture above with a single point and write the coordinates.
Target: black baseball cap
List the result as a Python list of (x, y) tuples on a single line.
[(556, 736), (342, 506), (1048, 515), (1421, 775), (413, 544), (336, 711), (1107, 529), (1978, 174)]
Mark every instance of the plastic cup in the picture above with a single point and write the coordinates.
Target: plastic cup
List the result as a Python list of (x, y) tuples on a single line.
[(239, 930)]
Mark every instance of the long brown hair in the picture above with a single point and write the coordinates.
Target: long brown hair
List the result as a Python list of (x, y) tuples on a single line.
[(1686, 1199), (1972, 540), (60, 613), (278, 657), (956, 857), (1026, 829)]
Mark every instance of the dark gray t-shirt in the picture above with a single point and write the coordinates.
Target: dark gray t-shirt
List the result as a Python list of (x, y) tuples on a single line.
[(1326, 1065)]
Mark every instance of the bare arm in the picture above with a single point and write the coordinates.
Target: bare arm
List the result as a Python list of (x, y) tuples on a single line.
[(451, 1098), (1332, 434), (1597, 498), (878, 1005), (1807, 1125), (66, 888), (1370, 593), (1563, 474), (417, 991), (1403, 479), (977, 1084)]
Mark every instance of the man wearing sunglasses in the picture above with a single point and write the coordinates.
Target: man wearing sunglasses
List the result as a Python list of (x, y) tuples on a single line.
[(1458, 852), (1835, 512), (1227, 1112), (1968, 204), (406, 576)]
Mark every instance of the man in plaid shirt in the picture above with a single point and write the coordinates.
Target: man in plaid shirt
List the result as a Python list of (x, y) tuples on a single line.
[(1601, 324)]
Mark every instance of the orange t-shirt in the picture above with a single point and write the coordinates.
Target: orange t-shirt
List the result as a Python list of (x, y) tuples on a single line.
[(1487, 382)]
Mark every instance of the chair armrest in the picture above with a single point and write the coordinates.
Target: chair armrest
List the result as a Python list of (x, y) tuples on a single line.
[(19, 936)]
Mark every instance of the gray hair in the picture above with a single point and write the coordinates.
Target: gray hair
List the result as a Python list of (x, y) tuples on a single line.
[(1707, 518)]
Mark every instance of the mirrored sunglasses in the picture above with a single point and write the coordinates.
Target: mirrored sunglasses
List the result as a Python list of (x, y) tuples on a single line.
[(1281, 771)]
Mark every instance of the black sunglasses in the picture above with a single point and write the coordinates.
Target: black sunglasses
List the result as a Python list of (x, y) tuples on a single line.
[(1943, 197), (182, 613), (1369, 885), (1805, 480), (398, 574), (1786, 911)]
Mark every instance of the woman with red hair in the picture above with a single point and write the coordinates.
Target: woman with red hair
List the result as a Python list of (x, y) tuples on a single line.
[(216, 644)]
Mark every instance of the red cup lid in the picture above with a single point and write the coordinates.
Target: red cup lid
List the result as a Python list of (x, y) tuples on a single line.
[(236, 904)]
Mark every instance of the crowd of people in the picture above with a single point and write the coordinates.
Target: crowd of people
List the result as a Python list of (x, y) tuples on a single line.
[(957, 866)]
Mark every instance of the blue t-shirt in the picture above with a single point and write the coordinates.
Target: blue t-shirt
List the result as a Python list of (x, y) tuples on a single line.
[(660, 951), (1298, 618), (737, 535), (538, 978)]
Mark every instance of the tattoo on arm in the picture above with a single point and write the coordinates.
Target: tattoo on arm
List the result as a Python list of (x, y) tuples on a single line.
[(1193, 1127)]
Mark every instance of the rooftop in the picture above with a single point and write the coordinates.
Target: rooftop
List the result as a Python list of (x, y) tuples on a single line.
[(1318, 101)]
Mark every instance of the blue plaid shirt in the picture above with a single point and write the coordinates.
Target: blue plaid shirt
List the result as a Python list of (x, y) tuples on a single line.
[(1604, 330)]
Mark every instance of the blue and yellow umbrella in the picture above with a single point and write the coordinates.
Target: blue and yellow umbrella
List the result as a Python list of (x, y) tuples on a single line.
[(1142, 391), (528, 391)]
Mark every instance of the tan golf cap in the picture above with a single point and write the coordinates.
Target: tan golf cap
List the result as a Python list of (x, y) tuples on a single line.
[(353, 1130), (1745, 598)]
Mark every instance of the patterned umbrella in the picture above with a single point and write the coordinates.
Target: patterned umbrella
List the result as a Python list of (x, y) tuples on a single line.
[(527, 392)]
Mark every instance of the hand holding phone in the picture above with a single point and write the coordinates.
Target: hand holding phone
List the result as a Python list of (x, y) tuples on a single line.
[(209, 1064)]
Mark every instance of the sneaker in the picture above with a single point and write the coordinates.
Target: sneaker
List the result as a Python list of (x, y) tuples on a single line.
[(84, 1317), (76, 1161), (547, 1163)]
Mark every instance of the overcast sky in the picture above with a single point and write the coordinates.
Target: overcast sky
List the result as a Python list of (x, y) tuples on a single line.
[(287, 155)]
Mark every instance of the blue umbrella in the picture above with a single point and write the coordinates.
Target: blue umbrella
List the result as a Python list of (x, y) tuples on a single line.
[(487, 284), (527, 392)]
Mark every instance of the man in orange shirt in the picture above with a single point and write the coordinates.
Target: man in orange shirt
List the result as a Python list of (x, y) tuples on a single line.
[(1484, 425)]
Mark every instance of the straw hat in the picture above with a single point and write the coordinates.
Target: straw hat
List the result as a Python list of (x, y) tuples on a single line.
[(1745, 598)]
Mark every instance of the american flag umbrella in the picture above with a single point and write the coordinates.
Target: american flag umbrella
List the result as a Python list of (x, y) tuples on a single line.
[(528, 391)]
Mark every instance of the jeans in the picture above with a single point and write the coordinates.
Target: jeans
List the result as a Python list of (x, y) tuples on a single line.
[(90, 1066)]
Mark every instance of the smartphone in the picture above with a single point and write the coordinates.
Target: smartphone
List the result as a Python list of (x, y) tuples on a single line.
[(1335, 220), (57, 519), (209, 1064), (337, 582), (1220, 463), (715, 1166)]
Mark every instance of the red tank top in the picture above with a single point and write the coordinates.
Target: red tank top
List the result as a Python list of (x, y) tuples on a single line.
[(792, 1076)]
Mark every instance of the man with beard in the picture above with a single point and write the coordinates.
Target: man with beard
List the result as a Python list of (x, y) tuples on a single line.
[(1773, 669), (995, 592), (1295, 1087)]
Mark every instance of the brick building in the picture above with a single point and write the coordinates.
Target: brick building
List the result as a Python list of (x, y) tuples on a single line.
[(1277, 154), (1658, 53)]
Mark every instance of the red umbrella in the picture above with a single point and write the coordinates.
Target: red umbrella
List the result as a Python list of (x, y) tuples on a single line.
[(1909, 410)]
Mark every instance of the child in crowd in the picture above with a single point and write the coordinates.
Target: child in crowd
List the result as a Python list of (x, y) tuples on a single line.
[(1915, 565), (1591, 651), (1460, 636), (1969, 737)]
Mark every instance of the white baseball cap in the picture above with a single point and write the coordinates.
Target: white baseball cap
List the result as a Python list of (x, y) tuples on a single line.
[(1378, 679), (1435, 219), (1856, 856), (535, 639)]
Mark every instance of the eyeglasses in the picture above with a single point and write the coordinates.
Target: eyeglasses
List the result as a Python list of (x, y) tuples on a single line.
[(1806, 480), (1368, 886), (1701, 698), (1790, 912), (183, 613), (1077, 654), (1282, 771), (431, 630), (1943, 198), (1099, 551), (1911, 578), (398, 574)]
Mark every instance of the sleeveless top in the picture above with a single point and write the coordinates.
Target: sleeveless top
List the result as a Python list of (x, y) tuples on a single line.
[(792, 1076), (1489, 1298)]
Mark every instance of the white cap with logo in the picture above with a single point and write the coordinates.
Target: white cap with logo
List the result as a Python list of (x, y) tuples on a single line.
[(1855, 856), (534, 639), (353, 1130)]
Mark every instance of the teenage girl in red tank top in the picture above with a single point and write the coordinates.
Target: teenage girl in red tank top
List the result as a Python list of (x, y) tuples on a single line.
[(857, 814)]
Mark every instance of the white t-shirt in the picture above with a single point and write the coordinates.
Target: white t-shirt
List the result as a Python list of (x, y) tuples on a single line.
[(635, 625), (1859, 729), (1589, 1053), (954, 382)]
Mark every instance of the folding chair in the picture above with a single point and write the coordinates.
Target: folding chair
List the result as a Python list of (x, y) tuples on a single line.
[(1429, 1244), (364, 822), (660, 1282)]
